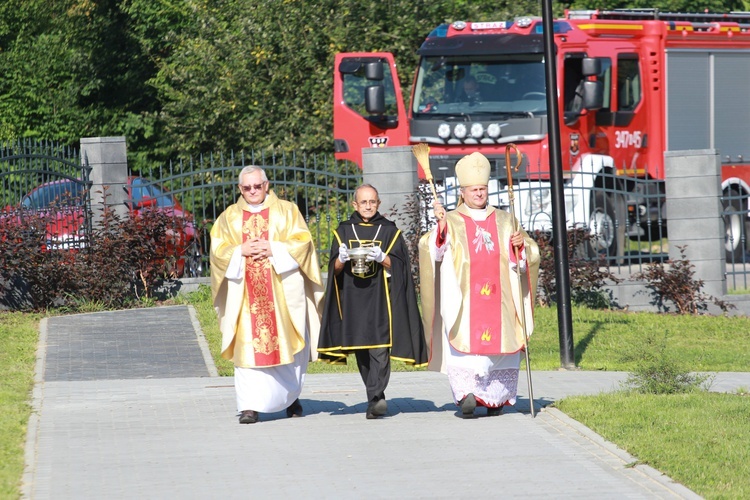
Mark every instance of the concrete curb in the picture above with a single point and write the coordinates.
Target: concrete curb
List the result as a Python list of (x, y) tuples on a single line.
[(203, 343), (32, 429)]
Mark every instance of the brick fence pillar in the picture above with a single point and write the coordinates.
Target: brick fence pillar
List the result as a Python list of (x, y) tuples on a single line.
[(107, 157), (694, 215), (393, 172)]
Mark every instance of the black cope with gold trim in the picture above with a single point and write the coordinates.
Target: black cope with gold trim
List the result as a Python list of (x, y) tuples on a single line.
[(378, 309)]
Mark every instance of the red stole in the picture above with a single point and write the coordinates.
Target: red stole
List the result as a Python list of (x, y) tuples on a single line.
[(485, 298), (260, 294)]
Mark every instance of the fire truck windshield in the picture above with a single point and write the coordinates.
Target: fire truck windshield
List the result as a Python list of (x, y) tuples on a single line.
[(512, 84)]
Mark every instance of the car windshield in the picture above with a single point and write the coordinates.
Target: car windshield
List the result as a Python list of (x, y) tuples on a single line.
[(510, 84), (56, 194), (142, 188)]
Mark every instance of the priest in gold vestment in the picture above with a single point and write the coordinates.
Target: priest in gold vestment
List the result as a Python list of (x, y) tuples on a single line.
[(471, 298), (267, 291)]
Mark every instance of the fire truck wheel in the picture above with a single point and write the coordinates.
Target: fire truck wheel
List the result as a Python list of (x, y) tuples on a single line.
[(607, 223), (735, 219)]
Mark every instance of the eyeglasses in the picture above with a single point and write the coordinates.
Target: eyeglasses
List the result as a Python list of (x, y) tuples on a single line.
[(252, 187)]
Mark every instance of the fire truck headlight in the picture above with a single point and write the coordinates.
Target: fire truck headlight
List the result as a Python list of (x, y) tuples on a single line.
[(477, 130), (523, 22), (444, 131), (493, 130), (460, 131)]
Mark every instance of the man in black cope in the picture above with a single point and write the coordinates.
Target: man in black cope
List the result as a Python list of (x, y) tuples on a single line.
[(374, 313)]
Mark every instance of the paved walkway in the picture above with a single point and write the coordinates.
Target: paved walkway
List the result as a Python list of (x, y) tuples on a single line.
[(127, 404)]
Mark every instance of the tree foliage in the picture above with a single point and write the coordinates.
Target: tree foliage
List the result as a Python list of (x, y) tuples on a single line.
[(258, 73), (180, 77)]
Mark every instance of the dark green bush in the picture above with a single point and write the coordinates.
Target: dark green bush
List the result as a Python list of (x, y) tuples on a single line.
[(32, 277), (125, 259)]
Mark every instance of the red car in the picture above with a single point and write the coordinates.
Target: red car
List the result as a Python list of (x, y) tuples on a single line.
[(67, 231)]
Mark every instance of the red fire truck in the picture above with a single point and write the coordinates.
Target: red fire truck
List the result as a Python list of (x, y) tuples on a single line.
[(631, 85)]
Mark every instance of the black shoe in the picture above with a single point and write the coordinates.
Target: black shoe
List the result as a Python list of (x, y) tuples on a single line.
[(467, 406), (376, 409), (294, 410), (494, 412), (248, 417)]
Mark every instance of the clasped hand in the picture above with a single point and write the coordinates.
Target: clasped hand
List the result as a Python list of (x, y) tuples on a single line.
[(256, 249), (376, 254)]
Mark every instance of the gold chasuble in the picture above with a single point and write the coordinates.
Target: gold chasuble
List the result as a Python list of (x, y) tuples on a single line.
[(264, 315)]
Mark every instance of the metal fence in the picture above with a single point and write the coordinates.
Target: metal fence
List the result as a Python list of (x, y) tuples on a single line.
[(25, 165), (736, 243), (42, 176), (321, 186), (627, 215)]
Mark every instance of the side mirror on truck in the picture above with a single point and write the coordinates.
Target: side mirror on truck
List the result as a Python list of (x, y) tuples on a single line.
[(593, 91), (366, 80), (374, 71), (375, 99), (591, 66), (374, 94), (593, 95), (589, 94)]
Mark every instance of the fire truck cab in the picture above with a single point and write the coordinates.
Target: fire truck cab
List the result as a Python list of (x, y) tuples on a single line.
[(630, 86)]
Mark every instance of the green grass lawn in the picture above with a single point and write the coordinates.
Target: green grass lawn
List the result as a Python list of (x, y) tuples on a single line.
[(606, 340), (698, 439), (19, 334)]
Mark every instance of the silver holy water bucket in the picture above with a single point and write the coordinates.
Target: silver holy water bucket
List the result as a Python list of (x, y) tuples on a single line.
[(359, 259)]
